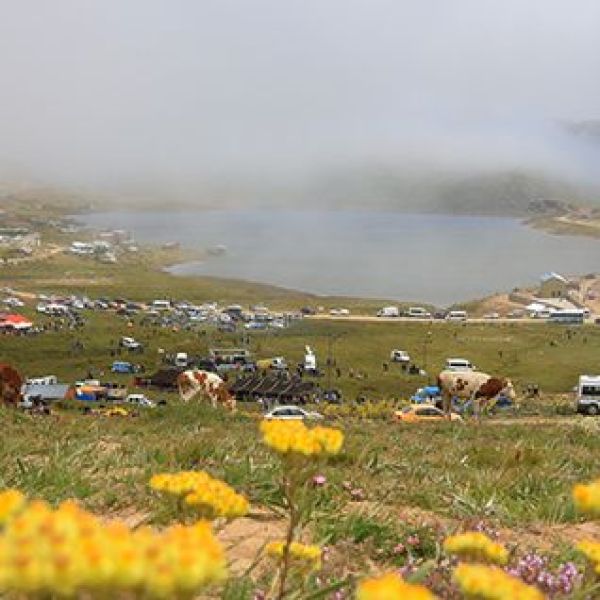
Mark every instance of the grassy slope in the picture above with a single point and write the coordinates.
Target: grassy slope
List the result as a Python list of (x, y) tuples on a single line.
[(518, 474)]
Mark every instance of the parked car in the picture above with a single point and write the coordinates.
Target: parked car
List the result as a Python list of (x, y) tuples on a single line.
[(339, 312), (115, 411), (130, 343), (278, 363), (400, 356), (456, 315), (516, 314), (139, 400), (459, 364), (292, 413), (423, 413), (14, 302), (120, 366), (491, 315)]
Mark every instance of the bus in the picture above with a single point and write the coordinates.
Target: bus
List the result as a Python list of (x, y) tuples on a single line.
[(574, 316)]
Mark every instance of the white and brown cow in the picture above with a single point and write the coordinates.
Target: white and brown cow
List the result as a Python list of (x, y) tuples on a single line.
[(207, 385), (478, 387)]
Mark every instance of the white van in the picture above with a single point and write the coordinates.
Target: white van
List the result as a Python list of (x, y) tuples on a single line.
[(588, 395), (418, 312), (456, 315), (388, 311), (459, 364)]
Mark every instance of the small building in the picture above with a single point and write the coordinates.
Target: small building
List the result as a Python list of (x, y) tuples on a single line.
[(553, 285)]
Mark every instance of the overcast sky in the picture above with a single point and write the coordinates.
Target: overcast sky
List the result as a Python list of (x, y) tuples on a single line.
[(97, 91)]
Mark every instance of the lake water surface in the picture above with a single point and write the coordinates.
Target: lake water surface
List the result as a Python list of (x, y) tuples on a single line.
[(433, 258)]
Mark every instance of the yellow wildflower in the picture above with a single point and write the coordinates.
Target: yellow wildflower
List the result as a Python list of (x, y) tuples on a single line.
[(391, 587), (587, 497), (492, 583), (591, 550), (476, 546), (10, 502), (310, 555), (294, 437), (209, 495), (68, 552)]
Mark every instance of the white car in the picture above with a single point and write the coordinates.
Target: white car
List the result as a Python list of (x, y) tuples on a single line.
[(339, 312), (400, 356), (139, 400), (129, 342), (14, 302), (292, 413), (459, 364)]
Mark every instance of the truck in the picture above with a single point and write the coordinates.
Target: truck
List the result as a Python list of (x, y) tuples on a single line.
[(588, 395), (388, 311)]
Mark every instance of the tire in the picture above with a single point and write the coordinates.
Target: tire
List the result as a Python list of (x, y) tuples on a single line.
[(593, 410)]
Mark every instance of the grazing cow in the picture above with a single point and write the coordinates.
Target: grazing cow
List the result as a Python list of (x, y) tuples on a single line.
[(209, 385), (478, 387)]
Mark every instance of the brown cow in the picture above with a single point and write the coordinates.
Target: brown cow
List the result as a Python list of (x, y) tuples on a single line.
[(478, 387)]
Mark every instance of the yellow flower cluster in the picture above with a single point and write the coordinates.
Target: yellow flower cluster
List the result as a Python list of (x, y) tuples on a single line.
[(308, 555), (391, 587), (70, 552), (476, 546), (10, 502), (492, 583), (587, 497), (294, 437), (211, 496), (591, 550)]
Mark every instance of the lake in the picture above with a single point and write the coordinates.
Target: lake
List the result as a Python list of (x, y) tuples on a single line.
[(433, 258)]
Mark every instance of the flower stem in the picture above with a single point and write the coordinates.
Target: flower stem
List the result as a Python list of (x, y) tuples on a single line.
[(289, 492)]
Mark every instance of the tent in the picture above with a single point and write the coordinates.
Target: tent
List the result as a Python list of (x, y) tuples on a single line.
[(14, 321)]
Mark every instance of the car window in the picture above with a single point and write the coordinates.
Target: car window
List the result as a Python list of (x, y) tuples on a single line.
[(428, 412)]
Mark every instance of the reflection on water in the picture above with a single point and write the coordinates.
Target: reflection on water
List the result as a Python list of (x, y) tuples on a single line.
[(434, 258)]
